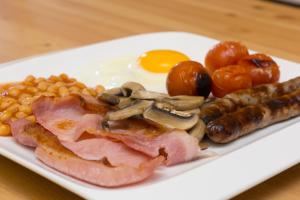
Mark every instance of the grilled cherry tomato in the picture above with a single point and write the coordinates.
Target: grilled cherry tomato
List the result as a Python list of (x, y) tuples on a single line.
[(224, 54), (229, 79), (218, 92), (189, 78), (264, 68)]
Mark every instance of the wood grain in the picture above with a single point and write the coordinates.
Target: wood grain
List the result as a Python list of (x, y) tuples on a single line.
[(30, 27)]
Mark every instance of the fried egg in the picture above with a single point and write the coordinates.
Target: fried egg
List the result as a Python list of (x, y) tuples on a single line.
[(160, 61), (150, 69)]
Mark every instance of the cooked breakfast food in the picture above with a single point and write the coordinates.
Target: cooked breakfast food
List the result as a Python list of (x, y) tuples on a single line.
[(263, 69), (245, 120), (121, 135), (229, 79), (189, 78), (16, 98), (111, 169), (68, 136), (233, 101), (224, 54), (160, 61), (251, 70), (232, 68), (149, 68), (162, 110)]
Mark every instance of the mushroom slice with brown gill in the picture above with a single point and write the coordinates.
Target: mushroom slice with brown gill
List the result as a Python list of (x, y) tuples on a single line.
[(182, 103), (119, 102), (129, 87), (114, 91), (137, 108), (120, 96), (179, 102), (124, 102), (164, 116), (131, 99), (109, 98), (198, 131), (193, 111), (148, 95)]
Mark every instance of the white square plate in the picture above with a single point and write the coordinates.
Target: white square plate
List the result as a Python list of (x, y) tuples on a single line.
[(239, 166)]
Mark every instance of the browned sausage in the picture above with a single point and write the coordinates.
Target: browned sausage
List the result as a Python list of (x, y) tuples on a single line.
[(252, 96), (250, 118)]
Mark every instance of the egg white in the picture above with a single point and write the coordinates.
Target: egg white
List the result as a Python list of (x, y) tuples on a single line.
[(115, 72)]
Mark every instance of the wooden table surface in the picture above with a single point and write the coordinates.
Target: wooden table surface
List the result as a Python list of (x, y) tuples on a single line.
[(30, 27)]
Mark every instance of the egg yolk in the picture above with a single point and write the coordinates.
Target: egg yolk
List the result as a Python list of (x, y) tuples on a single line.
[(160, 61)]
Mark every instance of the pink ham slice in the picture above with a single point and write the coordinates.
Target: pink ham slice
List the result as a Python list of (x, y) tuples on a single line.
[(176, 145), (96, 172), (18, 128), (65, 117), (50, 151), (115, 152)]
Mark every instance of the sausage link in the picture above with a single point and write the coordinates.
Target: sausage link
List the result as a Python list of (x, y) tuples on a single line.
[(250, 118), (241, 98)]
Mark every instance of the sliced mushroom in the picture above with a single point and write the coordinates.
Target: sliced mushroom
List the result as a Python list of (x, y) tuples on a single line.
[(203, 146), (179, 102), (114, 91), (148, 95), (120, 96), (109, 98), (193, 111), (132, 99), (198, 131), (136, 109), (184, 104), (124, 102), (130, 87), (185, 97), (170, 118)]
